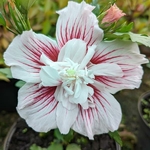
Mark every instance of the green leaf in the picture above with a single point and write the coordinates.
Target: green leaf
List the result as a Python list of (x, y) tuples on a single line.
[(73, 147), (148, 64), (58, 135), (1, 60), (44, 134), (96, 10), (116, 35), (68, 137), (55, 146), (6, 71), (24, 130), (26, 4), (115, 135), (145, 40), (2, 20), (35, 147), (15, 20), (3, 77), (64, 137), (19, 84), (125, 28)]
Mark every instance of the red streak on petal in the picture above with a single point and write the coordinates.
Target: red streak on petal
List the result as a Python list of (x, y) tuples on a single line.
[(97, 97), (34, 52), (62, 38), (66, 31), (73, 30), (91, 38), (71, 35), (33, 57), (99, 58), (49, 50), (106, 80), (43, 94)]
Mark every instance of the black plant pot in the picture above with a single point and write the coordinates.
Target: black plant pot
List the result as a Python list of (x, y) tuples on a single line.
[(144, 130), (8, 95)]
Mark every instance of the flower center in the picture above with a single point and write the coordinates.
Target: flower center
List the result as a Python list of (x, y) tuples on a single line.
[(71, 72), (73, 78)]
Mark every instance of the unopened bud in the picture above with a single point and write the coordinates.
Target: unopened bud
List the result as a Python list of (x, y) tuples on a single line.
[(113, 14)]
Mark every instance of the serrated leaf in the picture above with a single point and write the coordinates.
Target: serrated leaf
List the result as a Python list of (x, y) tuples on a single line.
[(55, 146), (115, 135), (145, 40), (2, 20), (73, 147)]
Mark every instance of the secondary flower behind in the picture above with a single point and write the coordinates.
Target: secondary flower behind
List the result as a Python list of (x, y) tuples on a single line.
[(69, 81)]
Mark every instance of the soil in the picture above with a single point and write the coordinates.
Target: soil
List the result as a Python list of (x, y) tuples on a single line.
[(24, 137)]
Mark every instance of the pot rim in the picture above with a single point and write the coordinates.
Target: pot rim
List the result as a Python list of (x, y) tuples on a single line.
[(9, 136), (139, 106)]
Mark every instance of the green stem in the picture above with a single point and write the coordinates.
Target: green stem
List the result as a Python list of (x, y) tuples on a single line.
[(11, 30), (28, 22)]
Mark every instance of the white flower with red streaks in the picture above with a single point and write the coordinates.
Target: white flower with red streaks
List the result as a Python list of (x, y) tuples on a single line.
[(69, 82)]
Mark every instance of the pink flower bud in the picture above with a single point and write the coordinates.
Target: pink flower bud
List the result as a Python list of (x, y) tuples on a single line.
[(113, 14)]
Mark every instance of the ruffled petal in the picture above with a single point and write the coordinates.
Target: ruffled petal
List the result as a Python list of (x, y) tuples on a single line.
[(65, 118), (74, 49), (24, 53), (19, 73), (77, 21), (127, 56), (106, 69), (130, 80), (60, 96), (104, 117), (49, 76), (81, 95), (87, 58), (38, 107)]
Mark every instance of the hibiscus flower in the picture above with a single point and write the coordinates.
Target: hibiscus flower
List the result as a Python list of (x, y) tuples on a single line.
[(70, 81)]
